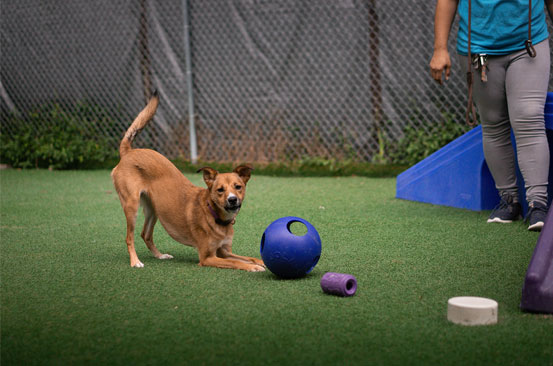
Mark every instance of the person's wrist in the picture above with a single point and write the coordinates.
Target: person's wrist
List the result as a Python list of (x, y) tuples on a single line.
[(440, 48)]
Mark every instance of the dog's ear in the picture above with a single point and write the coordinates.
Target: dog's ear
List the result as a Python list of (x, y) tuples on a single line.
[(209, 175), (244, 172)]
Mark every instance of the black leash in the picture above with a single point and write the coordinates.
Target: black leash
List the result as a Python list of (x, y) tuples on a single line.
[(528, 44)]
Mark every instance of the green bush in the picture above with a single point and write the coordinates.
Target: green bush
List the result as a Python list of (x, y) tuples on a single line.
[(421, 141), (54, 138), (306, 167)]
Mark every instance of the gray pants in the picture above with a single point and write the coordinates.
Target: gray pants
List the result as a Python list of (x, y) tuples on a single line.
[(514, 97)]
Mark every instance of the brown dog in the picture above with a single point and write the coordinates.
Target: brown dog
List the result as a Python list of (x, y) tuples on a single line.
[(194, 216)]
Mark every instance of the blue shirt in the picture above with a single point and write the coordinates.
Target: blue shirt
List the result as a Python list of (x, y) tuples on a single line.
[(499, 27)]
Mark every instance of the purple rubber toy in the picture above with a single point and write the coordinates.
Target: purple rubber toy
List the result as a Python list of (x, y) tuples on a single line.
[(340, 284)]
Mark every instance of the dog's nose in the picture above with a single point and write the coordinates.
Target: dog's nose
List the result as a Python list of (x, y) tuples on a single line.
[(233, 200)]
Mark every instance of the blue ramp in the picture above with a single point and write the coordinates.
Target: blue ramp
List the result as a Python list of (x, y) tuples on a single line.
[(456, 176)]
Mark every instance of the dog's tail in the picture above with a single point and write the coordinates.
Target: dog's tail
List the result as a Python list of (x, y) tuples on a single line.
[(138, 124)]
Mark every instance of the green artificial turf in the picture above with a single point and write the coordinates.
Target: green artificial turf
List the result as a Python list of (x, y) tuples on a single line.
[(69, 296)]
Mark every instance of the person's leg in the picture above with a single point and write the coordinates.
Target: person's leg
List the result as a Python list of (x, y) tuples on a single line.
[(526, 87), (491, 101)]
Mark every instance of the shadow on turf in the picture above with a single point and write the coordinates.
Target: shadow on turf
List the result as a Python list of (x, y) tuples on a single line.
[(184, 260), (271, 276)]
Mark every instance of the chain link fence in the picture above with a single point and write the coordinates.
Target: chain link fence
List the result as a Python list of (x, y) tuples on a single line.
[(273, 80)]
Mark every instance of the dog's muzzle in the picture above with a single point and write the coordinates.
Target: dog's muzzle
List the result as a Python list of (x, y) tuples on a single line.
[(233, 204)]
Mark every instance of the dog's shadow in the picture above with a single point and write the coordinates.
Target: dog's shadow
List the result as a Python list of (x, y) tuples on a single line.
[(180, 259)]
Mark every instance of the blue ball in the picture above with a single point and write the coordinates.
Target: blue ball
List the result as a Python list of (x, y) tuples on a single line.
[(288, 255)]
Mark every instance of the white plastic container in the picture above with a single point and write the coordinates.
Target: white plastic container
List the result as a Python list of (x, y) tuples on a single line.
[(468, 310)]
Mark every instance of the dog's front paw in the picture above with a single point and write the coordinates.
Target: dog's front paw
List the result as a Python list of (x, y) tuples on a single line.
[(165, 256), (256, 268), (138, 264), (259, 262)]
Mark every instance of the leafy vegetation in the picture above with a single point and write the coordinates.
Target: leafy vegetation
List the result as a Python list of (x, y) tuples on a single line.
[(56, 138), (306, 167), (421, 141)]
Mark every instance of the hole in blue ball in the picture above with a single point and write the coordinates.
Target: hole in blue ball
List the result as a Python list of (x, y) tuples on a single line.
[(297, 228)]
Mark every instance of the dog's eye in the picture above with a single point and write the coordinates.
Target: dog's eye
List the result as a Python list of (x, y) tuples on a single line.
[(221, 190), (238, 187)]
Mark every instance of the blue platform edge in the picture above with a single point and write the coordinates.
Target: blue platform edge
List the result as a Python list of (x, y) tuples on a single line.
[(457, 174)]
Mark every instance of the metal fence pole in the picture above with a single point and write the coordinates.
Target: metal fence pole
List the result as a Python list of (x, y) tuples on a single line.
[(189, 85)]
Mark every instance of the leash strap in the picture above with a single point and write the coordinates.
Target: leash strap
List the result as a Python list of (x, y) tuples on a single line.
[(528, 44)]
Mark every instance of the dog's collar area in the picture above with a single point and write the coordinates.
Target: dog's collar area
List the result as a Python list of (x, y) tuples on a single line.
[(218, 220)]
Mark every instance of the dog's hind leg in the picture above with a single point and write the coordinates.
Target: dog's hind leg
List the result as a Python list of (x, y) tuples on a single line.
[(131, 209), (150, 220)]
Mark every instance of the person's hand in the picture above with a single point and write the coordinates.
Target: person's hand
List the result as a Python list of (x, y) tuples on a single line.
[(440, 63)]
